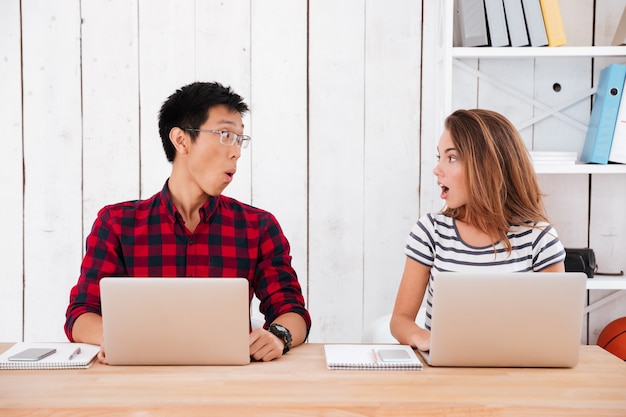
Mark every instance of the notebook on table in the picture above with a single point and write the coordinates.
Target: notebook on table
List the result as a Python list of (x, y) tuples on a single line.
[(53, 355), (175, 321), (506, 319), (371, 357)]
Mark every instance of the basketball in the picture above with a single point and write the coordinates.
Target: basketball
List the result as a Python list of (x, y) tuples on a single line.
[(613, 338)]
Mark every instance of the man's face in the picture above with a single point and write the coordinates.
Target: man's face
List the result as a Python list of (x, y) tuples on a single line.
[(211, 164)]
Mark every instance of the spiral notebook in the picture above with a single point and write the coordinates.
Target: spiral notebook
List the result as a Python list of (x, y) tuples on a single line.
[(60, 359), (371, 357)]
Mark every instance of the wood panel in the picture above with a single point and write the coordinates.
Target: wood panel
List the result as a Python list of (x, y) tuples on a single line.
[(436, 81), (336, 152), (52, 159), (11, 175), (167, 56), (110, 94), (392, 147), (278, 100)]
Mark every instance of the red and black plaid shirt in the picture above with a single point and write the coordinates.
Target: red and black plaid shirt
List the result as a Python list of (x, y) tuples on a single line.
[(147, 238)]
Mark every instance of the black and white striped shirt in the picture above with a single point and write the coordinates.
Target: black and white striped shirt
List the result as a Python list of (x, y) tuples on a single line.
[(434, 241)]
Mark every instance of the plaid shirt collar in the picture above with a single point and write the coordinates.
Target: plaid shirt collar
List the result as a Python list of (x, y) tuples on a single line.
[(206, 211)]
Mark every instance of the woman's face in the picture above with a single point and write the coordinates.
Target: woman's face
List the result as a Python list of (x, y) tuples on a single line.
[(450, 173)]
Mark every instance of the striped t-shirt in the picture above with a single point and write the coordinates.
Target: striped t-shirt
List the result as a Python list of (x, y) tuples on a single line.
[(434, 241)]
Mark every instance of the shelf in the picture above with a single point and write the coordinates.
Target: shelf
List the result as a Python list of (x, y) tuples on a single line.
[(580, 169), (615, 284), (606, 283), (546, 51)]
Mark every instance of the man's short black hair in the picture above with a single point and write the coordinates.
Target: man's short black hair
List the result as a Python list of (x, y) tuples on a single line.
[(189, 107)]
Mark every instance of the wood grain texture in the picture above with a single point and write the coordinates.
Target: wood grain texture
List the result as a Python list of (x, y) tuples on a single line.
[(300, 385), (392, 147), (336, 152), (52, 138), (11, 174)]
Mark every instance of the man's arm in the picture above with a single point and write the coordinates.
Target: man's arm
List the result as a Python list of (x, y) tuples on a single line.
[(265, 346), (88, 329), (83, 320), (276, 286), (296, 325)]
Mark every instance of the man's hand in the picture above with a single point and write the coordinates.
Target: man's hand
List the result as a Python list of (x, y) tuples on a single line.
[(264, 346)]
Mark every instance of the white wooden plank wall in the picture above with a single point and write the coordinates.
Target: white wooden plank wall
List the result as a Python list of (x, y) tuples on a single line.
[(335, 93), (52, 141), (336, 149), (343, 186), (11, 175), (110, 87), (392, 147)]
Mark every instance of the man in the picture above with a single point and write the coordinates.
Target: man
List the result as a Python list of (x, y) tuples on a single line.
[(190, 230)]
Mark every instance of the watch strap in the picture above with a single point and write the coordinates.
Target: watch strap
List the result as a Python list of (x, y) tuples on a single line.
[(283, 334)]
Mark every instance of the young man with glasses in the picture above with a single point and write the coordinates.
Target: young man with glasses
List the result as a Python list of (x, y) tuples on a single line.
[(190, 229)]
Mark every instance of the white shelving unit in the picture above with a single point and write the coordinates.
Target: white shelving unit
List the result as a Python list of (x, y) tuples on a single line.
[(442, 63), (543, 52), (438, 82), (616, 284), (581, 169)]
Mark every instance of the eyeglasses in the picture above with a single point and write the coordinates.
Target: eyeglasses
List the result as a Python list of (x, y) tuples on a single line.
[(226, 137)]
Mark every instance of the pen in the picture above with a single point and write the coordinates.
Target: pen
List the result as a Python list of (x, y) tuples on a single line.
[(73, 355)]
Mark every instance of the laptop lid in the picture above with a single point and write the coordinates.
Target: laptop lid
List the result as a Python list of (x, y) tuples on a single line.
[(506, 319), (175, 321)]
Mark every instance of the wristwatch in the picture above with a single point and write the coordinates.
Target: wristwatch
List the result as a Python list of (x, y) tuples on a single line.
[(283, 334)]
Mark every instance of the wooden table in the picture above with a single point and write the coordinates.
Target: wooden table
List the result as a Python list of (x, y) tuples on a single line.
[(300, 385)]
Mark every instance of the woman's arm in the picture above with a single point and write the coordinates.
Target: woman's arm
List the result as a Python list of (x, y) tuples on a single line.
[(408, 301), (558, 267)]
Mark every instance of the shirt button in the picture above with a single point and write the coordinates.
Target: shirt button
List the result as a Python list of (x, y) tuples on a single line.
[(190, 242)]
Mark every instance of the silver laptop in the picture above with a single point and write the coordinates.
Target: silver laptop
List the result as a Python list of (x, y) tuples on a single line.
[(175, 321), (506, 319)]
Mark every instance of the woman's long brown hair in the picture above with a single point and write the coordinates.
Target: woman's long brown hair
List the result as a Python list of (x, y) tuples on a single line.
[(503, 188)]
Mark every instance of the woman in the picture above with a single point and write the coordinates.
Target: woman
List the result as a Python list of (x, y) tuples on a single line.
[(493, 217)]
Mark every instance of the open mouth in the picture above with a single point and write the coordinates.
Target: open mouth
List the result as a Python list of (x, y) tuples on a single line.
[(444, 191)]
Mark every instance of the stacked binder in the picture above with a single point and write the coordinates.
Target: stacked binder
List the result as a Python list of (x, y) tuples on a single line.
[(508, 23)]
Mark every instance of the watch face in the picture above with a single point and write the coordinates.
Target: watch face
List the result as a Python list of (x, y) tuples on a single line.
[(280, 328), (283, 333)]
